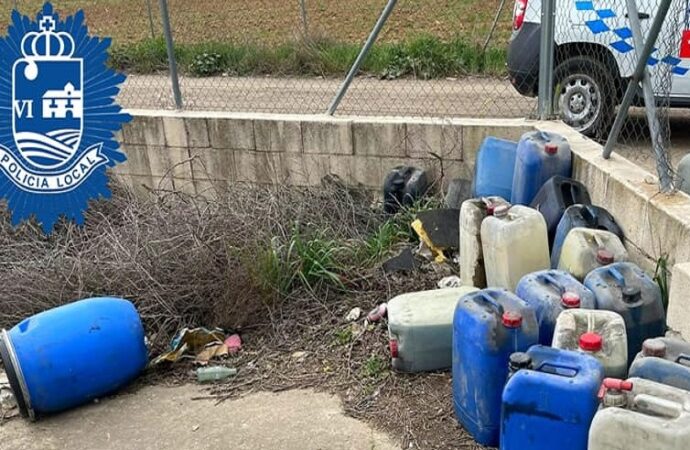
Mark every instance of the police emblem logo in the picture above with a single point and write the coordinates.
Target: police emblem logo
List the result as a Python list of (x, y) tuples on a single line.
[(56, 146)]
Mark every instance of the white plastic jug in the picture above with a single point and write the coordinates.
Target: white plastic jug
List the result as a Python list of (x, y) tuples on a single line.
[(641, 414), (472, 214), (598, 333), (586, 249), (515, 243), (420, 326)]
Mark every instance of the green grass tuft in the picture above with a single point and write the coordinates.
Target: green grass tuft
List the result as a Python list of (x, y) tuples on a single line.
[(422, 57)]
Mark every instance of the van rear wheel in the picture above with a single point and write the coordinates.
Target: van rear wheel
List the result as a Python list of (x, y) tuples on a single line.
[(585, 95)]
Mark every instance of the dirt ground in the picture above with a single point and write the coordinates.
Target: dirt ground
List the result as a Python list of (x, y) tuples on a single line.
[(275, 21), (157, 417)]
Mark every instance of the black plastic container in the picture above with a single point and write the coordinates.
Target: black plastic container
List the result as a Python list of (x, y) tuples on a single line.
[(555, 196), (402, 187)]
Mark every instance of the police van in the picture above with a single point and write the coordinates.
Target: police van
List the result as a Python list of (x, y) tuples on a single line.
[(595, 56)]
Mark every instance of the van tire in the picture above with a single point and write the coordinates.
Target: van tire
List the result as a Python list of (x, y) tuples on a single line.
[(585, 95)]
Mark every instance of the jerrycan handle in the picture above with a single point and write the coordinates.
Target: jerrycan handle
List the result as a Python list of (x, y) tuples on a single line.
[(683, 360), (617, 276), (588, 215), (548, 279), (558, 369), (487, 299), (657, 406)]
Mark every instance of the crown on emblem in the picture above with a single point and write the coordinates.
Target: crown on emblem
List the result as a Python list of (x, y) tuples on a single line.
[(47, 43)]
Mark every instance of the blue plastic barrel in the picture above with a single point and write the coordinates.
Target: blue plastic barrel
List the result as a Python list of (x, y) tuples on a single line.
[(488, 326), (551, 404), (540, 156), (664, 360), (549, 292), (70, 355), (493, 172), (624, 288), (582, 216)]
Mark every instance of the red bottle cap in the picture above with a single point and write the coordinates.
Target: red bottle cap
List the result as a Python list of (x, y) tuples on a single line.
[(490, 209), (614, 384), (654, 347), (591, 342), (512, 319), (570, 300), (393, 346), (604, 256), (551, 149)]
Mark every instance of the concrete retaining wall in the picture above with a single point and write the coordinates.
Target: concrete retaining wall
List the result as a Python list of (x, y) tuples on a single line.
[(197, 152), (194, 152)]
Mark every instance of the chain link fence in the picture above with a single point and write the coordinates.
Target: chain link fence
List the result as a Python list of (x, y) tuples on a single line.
[(440, 58)]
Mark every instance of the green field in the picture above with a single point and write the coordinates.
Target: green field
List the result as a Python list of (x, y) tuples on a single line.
[(423, 38)]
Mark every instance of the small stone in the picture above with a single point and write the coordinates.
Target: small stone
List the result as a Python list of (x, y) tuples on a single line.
[(300, 356), (452, 281), (195, 428), (404, 262), (354, 314)]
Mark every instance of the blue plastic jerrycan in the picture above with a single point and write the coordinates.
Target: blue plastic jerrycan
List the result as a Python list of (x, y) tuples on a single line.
[(555, 196), (493, 172), (68, 356), (488, 327), (624, 288), (665, 360), (582, 216), (549, 292), (549, 403), (540, 156)]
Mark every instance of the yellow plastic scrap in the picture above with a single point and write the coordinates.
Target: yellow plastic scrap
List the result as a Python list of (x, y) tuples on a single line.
[(418, 227)]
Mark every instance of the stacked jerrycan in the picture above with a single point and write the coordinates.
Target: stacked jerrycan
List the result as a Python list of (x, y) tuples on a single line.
[(558, 194), (540, 156), (550, 402), (641, 414), (420, 327), (582, 216), (515, 243), (472, 214), (550, 292), (600, 334), (494, 169), (624, 288), (488, 327), (585, 249), (665, 360)]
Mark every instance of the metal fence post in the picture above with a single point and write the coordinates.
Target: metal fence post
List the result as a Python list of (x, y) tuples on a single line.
[(165, 19), (546, 52), (305, 21), (150, 11), (638, 76), (361, 57)]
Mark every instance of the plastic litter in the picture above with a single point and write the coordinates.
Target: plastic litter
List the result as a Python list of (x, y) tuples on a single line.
[(402, 187), (493, 175), (215, 373), (205, 344), (452, 281), (664, 360), (378, 313)]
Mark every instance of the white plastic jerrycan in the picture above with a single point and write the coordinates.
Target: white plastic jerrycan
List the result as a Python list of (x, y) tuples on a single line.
[(515, 243), (641, 414), (598, 333), (420, 327), (585, 249)]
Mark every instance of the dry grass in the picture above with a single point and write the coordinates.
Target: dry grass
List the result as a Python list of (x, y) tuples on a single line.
[(192, 262)]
